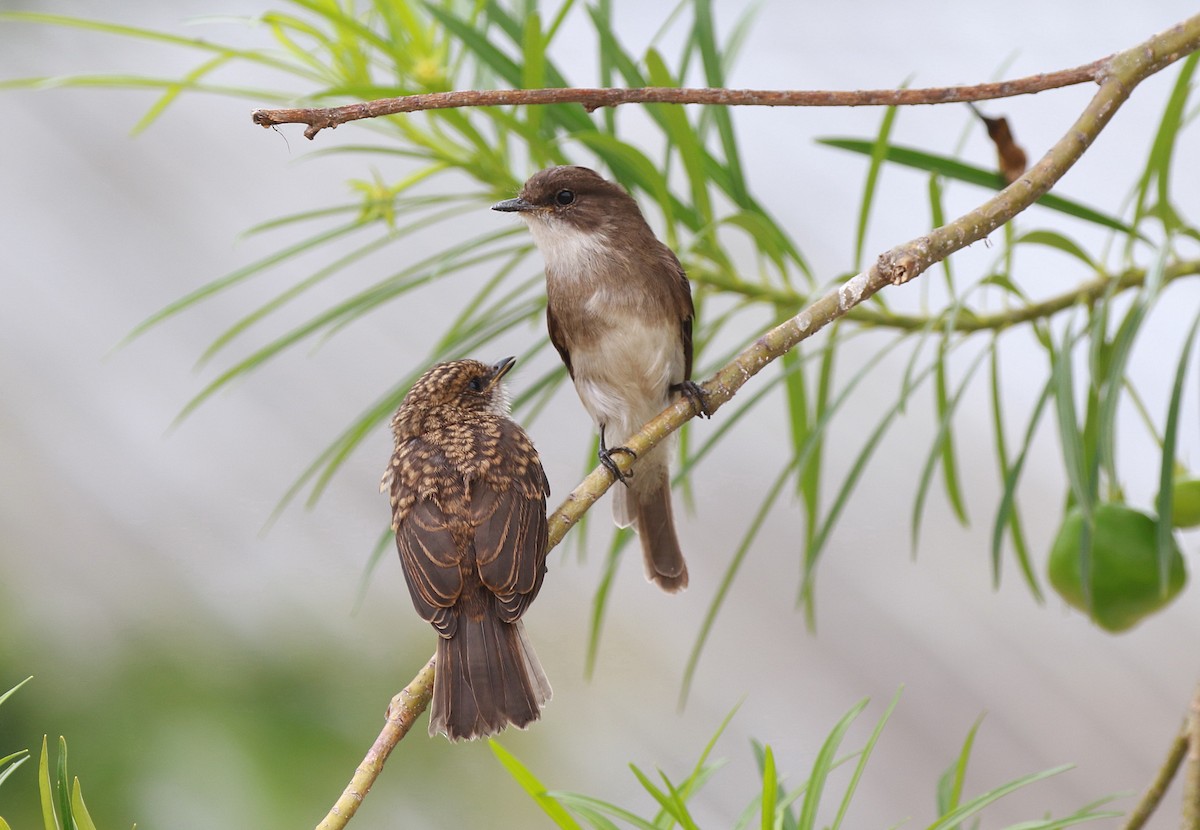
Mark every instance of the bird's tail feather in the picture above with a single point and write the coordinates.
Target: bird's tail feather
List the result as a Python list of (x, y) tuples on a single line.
[(645, 504), (487, 677)]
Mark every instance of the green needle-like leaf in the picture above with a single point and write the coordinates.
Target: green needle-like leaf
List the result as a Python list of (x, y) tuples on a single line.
[(963, 172), (947, 406), (1166, 476), (770, 789), (530, 783), (823, 764), (879, 152)]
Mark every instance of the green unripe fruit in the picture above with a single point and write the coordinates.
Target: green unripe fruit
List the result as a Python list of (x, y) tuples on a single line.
[(1185, 508), (1124, 576)]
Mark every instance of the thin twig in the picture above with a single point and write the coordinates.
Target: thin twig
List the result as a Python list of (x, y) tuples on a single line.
[(1118, 76), (1191, 772), (320, 118), (402, 713), (1153, 795)]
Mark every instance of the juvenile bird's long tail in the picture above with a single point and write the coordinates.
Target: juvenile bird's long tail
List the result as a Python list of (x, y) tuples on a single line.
[(487, 676)]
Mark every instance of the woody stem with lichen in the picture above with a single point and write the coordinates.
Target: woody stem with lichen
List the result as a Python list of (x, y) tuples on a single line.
[(1117, 79), (962, 320)]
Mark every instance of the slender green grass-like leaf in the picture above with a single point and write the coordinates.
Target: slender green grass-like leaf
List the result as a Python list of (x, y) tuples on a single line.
[(879, 151), (726, 583), (479, 45), (1007, 508), (1058, 241), (770, 789), (530, 783), (133, 82), (823, 764), (1078, 466), (576, 801), (612, 562), (172, 94), (1069, 435), (796, 390), (811, 468), (150, 35), (975, 805), (1111, 377), (46, 793), (950, 785), (948, 458), (714, 76), (1009, 515), (1158, 164), (937, 218), (79, 811), (533, 73), (696, 778), (682, 136), (13, 690), (592, 817), (345, 261), (241, 274), (947, 406), (666, 800), (355, 306), (63, 787), (380, 549), (10, 763), (813, 552), (1166, 476), (960, 171), (863, 756)]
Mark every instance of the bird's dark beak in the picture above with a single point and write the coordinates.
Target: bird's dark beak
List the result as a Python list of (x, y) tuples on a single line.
[(500, 369), (516, 205)]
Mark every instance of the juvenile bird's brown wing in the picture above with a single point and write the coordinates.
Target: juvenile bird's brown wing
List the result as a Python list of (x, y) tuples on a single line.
[(508, 510), (431, 543)]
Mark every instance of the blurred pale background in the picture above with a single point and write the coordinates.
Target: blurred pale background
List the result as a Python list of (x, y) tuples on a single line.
[(209, 674)]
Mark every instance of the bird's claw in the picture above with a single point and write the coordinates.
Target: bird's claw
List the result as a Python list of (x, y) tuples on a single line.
[(606, 461), (692, 391)]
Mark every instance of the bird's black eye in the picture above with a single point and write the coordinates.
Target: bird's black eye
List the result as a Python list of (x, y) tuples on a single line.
[(564, 197), (475, 384)]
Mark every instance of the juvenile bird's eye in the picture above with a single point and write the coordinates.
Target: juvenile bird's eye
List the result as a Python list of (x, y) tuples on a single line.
[(564, 197), (475, 384)]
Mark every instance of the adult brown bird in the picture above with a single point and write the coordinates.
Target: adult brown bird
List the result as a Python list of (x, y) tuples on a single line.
[(619, 309), (468, 496)]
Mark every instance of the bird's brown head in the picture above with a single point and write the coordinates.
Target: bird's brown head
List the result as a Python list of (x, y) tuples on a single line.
[(453, 390), (575, 197)]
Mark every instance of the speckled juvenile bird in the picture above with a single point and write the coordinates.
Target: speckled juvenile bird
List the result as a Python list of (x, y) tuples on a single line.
[(468, 496), (619, 310)]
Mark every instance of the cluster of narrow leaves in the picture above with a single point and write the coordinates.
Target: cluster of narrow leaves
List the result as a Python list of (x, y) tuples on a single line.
[(775, 806), (61, 798), (334, 52)]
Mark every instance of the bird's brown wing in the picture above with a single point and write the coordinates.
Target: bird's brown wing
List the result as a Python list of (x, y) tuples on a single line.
[(508, 509), (429, 552), (557, 338), (681, 297)]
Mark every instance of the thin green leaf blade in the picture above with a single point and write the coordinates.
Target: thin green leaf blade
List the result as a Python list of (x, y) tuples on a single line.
[(536, 790), (1166, 478)]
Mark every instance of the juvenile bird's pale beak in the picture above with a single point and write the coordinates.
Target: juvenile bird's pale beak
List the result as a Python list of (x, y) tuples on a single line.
[(500, 369), (512, 205)]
